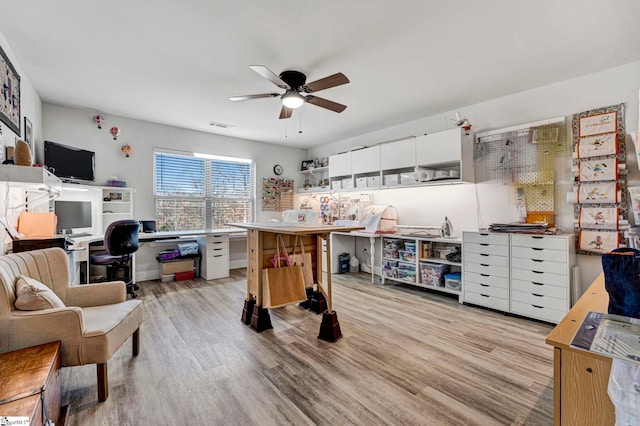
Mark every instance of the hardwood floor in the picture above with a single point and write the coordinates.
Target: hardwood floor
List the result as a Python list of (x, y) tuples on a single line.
[(407, 357)]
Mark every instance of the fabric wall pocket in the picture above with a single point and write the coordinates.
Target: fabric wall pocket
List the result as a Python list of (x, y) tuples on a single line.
[(282, 285), (303, 260), (621, 280), (598, 170), (596, 146)]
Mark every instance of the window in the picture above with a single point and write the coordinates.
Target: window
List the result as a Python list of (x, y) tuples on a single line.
[(201, 191)]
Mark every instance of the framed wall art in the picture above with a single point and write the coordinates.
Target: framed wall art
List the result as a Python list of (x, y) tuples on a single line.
[(28, 132), (9, 94)]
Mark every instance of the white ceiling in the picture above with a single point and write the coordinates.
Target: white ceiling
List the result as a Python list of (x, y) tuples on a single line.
[(177, 63)]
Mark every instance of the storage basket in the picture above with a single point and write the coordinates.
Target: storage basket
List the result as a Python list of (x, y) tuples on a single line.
[(453, 281), (433, 274)]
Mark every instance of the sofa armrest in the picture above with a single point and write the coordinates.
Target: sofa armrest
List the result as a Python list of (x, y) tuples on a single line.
[(96, 294)]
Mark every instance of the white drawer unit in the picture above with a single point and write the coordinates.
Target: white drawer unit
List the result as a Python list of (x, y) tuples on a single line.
[(527, 275), (216, 262), (541, 269), (486, 269)]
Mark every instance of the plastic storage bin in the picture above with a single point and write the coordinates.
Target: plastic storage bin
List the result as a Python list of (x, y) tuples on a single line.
[(433, 274), (407, 256), (624, 390), (453, 281), (343, 262), (410, 246), (392, 253)]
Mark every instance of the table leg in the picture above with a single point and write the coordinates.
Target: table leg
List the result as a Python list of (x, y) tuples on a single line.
[(253, 314), (318, 302), (329, 327), (372, 257)]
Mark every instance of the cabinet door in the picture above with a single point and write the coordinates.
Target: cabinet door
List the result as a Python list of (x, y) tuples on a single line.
[(398, 155), (366, 160), (340, 164), (438, 148)]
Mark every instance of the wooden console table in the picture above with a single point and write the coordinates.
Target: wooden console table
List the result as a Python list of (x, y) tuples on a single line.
[(27, 378), (580, 378), (261, 245)]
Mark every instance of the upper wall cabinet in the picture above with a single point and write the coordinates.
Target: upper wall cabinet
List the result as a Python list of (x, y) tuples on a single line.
[(447, 150), (398, 155), (340, 164), (366, 160)]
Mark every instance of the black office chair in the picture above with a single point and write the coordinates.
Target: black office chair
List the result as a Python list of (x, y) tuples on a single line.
[(120, 242)]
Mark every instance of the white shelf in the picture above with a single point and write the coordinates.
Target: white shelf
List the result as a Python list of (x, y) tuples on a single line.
[(313, 170), (29, 175), (439, 260)]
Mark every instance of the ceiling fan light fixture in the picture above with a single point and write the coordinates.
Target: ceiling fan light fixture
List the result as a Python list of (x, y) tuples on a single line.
[(292, 99)]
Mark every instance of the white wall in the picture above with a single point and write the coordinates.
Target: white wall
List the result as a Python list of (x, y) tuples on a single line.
[(75, 127), (30, 107), (493, 201)]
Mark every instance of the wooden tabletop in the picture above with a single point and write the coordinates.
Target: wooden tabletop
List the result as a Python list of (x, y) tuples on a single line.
[(594, 299), (295, 228)]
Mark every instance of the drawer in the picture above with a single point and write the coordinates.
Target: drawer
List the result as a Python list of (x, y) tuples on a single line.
[(217, 237), (539, 241), (217, 243), (486, 279), (217, 250), (486, 248), (560, 292), (488, 289), (218, 262), (486, 300), (540, 277), (539, 265), (540, 254), (487, 259), (483, 268), (476, 237), (541, 300), (538, 312)]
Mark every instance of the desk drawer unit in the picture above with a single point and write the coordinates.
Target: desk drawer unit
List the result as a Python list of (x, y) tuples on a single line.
[(486, 270), (217, 258), (541, 275)]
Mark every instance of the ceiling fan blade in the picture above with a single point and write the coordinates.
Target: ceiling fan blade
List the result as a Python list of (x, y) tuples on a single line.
[(269, 75), (247, 97), (285, 112), (325, 103), (327, 82)]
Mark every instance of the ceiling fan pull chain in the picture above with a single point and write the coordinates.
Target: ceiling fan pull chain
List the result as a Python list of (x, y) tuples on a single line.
[(300, 128)]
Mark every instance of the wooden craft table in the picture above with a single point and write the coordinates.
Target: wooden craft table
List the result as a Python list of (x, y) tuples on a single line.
[(261, 245), (580, 378)]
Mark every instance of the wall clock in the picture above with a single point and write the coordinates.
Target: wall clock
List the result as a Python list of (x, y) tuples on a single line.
[(277, 169)]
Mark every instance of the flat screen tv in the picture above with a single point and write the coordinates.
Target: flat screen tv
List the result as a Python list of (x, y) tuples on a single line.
[(69, 163)]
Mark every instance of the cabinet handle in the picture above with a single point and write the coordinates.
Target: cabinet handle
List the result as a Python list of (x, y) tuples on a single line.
[(485, 275), (537, 295), (537, 248), (537, 272), (484, 285), (484, 254), (537, 260), (483, 264), (535, 283), (537, 237), (539, 307), (484, 244), (484, 295), (217, 255)]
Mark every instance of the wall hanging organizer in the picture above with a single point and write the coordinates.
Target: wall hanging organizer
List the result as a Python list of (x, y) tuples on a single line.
[(600, 190), (277, 194)]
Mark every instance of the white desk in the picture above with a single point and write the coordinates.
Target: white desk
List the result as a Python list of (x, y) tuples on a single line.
[(372, 246), (146, 257)]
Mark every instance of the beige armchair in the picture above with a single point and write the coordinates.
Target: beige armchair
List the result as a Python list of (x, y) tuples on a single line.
[(95, 321)]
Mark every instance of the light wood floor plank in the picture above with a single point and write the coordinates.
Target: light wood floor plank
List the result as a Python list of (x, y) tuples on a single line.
[(407, 357)]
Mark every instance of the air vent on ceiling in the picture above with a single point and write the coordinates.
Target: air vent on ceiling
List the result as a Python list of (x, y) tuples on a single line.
[(221, 125)]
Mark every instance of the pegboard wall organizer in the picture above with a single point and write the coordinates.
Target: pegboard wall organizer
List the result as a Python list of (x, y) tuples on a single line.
[(600, 190), (277, 194)]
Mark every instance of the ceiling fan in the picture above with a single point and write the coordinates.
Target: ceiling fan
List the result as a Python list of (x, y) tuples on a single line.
[(297, 91)]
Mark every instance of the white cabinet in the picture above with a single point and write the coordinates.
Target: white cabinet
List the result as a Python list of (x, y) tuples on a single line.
[(398, 155), (315, 179), (366, 160), (541, 275), (486, 269), (422, 261), (117, 204), (340, 165), (528, 275), (216, 261), (448, 150)]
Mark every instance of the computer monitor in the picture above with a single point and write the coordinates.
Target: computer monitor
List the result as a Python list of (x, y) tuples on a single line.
[(72, 215)]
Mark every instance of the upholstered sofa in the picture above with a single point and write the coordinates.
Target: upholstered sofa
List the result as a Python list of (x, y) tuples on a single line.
[(92, 321)]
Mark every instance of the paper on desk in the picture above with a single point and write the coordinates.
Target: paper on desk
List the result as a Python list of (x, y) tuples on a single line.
[(618, 339)]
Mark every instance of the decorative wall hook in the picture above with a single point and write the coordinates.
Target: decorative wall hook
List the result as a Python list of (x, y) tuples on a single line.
[(126, 148), (98, 119), (115, 132)]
